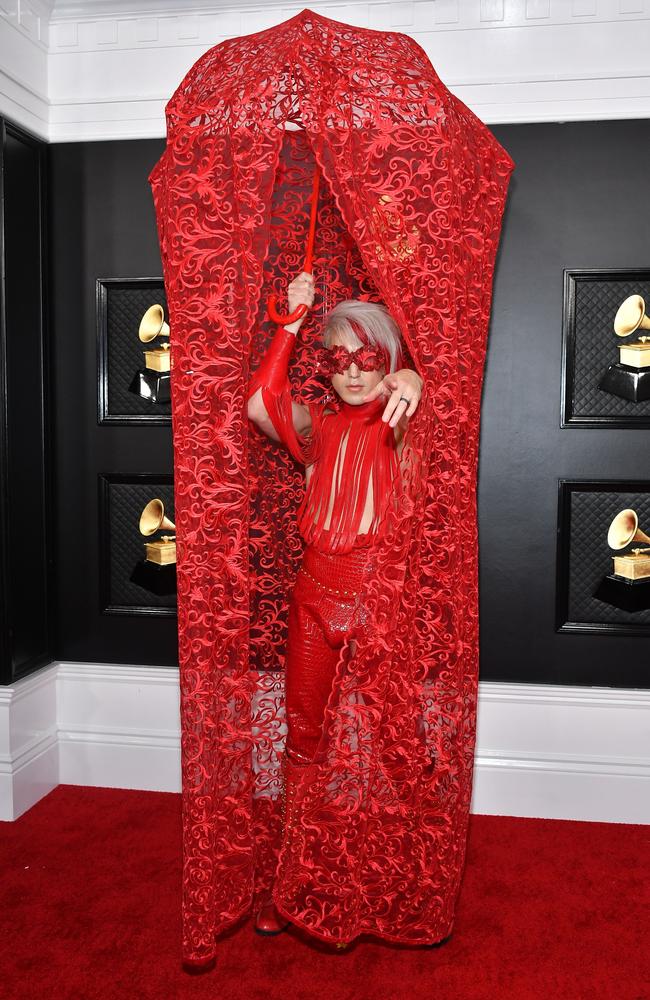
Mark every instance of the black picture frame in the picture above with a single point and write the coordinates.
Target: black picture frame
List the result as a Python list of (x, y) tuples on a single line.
[(121, 498), (591, 298), (583, 556), (120, 304)]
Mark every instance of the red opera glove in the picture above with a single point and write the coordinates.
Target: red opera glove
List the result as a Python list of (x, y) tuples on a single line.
[(272, 378), (272, 372)]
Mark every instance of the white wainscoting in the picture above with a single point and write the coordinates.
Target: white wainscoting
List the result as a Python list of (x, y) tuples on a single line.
[(74, 70), (542, 750)]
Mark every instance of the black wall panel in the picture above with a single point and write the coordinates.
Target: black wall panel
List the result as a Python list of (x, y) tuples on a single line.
[(103, 226), (26, 516), (579, 198)]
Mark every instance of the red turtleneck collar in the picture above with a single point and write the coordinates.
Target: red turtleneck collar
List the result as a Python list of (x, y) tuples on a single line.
[(361, 411)]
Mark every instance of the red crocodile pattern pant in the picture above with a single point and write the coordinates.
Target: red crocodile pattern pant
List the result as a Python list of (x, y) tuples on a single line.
[(324, 607)]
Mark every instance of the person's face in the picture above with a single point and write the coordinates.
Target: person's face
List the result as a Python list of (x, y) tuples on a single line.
[(353, 384)]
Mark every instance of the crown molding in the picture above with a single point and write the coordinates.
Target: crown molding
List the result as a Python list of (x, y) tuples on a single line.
[(104, 69), (421, 15), (83, 10)]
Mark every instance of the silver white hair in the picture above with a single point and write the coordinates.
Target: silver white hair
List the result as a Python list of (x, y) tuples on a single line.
[(381, 329)]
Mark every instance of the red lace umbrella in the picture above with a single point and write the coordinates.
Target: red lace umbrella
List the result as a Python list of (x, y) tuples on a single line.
[(413, 188)]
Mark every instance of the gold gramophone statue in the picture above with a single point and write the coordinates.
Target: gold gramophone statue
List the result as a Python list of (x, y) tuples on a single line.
[(628, 586), (157, 571), (629, 378), (153, 381)]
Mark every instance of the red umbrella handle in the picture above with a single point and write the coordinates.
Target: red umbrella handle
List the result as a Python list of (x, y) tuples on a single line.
[(300, 310)]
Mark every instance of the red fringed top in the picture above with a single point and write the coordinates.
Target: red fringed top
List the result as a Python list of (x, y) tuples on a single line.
[(350, 455), (354, 464)]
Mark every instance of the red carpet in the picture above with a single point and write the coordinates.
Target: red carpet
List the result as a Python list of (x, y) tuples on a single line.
[(91, 909)]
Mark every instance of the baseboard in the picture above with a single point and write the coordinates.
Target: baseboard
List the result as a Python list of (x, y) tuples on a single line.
[(560, 752), (546, 751)]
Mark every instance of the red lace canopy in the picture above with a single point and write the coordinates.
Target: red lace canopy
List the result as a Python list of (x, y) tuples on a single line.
[(412, 198)]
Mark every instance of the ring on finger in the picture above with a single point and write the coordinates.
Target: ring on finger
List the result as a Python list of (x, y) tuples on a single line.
[(404, 399)]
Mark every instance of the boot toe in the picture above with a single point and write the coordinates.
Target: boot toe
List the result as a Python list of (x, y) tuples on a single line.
[(269, 921)]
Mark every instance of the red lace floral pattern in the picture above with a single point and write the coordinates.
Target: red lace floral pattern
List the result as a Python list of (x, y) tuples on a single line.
[(410, 214)]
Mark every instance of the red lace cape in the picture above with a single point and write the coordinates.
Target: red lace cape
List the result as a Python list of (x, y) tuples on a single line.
[(410, 214)]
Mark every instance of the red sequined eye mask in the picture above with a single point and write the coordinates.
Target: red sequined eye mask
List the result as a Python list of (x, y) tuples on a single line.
[(366, 358)]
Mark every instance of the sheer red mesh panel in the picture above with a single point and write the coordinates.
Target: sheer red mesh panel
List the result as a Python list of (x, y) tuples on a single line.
[(410, 215)]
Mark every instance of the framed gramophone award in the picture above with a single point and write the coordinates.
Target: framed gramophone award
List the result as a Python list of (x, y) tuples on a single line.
[(137, 544), (133, 352), (606, 348), (603, 556)]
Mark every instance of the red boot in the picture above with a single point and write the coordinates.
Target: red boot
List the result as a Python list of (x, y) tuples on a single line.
[(268, 920)]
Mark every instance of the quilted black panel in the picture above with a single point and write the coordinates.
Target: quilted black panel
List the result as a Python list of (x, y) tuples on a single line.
[(590, 557), (124, 543), (595, 345), (124, 304)]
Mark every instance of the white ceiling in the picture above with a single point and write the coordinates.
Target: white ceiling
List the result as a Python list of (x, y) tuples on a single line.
[(104, 69)]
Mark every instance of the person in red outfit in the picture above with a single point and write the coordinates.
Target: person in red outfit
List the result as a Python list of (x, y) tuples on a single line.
[(350, 448)]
